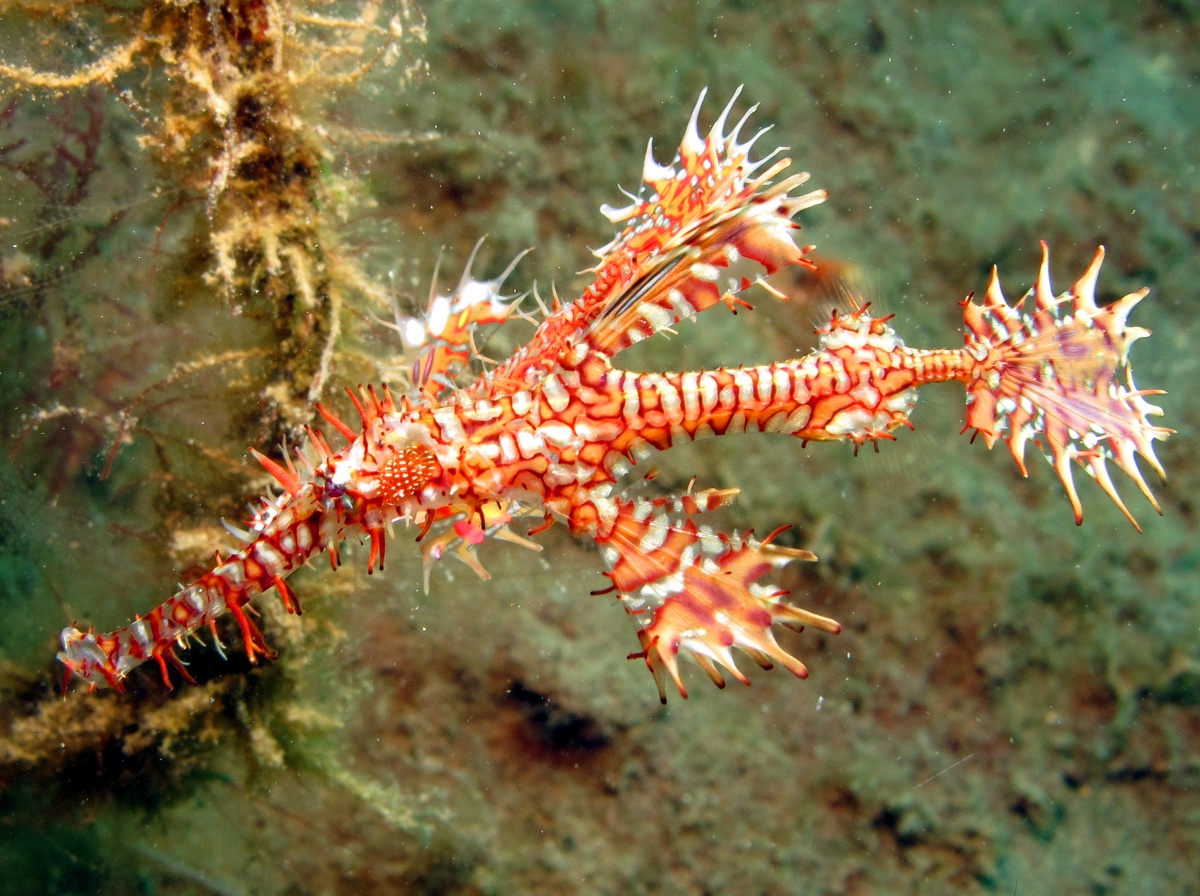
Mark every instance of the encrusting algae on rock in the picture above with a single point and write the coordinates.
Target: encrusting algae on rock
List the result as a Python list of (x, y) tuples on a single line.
[(231, 120), (551, 432)]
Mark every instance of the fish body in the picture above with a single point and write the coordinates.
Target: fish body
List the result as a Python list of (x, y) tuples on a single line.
[(551, 432)]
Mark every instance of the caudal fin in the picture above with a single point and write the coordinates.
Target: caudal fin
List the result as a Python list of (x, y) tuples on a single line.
[(1059, 374)]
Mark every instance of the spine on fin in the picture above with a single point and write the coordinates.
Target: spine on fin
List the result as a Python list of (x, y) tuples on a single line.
[(710, 207), (697, 591), (1058, 374)]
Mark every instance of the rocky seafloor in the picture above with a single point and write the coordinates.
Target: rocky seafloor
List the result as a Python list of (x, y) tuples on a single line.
[(1013, 705)]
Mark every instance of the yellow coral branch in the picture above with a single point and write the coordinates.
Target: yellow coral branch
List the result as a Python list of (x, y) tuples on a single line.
[(103, 69)]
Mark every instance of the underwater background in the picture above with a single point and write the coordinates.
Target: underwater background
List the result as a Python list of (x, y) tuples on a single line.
[(206, 208)]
